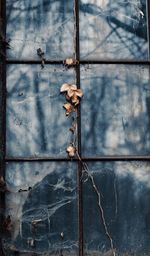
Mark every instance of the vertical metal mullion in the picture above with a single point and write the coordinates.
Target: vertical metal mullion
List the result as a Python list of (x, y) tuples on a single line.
[(148, 25), (3, 112), (77, 68)]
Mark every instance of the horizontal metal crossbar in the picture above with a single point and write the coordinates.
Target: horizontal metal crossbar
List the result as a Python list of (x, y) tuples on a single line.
[(97, 158), (82, 62)]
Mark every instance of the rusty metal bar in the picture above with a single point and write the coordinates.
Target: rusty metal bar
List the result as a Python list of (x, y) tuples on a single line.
[(101, 61), (77, 68), (3, 111), (27, 61), (59, 159), (148, 24), (34, 159), (116, 61)]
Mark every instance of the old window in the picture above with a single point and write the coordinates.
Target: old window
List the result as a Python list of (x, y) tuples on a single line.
[(48, 205)]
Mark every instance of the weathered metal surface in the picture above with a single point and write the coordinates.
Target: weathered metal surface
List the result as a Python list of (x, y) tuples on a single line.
[(2, 116)]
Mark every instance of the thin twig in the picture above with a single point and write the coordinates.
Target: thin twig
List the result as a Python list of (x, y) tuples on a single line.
[(86, 170)]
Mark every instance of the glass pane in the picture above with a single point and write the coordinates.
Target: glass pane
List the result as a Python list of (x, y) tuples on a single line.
[(124, 189), (44, 24), (42, 205), (36, 121), (113, 29), (115, 110)]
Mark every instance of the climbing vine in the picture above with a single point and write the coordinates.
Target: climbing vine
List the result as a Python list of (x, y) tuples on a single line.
[(73, 97)]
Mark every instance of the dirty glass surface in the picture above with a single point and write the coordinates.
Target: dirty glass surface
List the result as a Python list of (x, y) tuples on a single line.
[(36, 121), (113, 29), (45, 24), (42, 205), (115, 110), (124, 189)]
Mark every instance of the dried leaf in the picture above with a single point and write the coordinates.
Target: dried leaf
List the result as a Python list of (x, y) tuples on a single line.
[(64, 88), (75, 99), (40, 53), (69, 62), (73, 87), (70, 93), (79, 93), (68, 98), (73, 128), (69, 108), (43, 63), (71, 150)]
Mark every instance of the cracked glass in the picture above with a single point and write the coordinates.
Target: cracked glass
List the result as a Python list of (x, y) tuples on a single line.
[(113, 29), (123, 190), (44, 24), (48, 196), (42, 205)]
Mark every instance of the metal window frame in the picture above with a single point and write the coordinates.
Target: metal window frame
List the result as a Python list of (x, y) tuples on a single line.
[(4, 158)]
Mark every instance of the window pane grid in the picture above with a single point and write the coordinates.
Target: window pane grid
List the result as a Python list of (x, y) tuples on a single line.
[(84, 158)]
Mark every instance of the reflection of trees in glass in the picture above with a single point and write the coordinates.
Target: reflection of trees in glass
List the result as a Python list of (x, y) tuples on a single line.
[(115, 29), (40, 24), (115, 112), (36, 123), (125, 197), (107, 28), (50, 207)]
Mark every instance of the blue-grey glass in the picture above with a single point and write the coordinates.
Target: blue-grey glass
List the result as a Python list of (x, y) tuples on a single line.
[(36, 121), (45, 24), (113, 29), (115, 110), (124, 189), (42, 205)]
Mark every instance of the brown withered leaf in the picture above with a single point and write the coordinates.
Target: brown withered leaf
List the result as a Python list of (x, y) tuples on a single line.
[(69, 108), (79, 93), (68, 87), (65, 87), (73, 127), (67, 98), (69, 61), (75, 100), (72, 93), (71, 150)]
